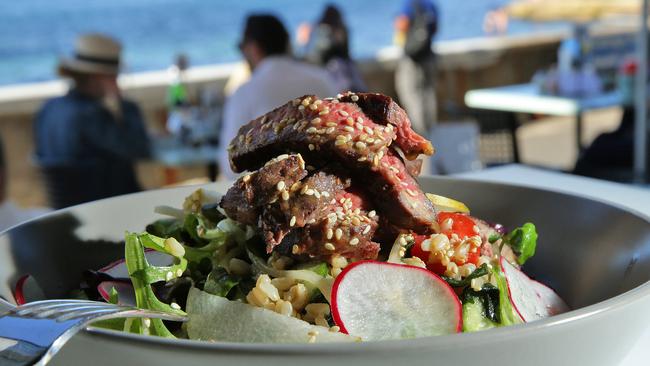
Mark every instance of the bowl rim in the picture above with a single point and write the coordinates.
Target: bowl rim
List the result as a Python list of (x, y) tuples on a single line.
[(499, 334)]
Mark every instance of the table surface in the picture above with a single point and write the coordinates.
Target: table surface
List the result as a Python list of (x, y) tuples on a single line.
[(527, 98), (633, 197)]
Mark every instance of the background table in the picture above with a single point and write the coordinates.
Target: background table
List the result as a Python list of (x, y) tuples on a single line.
[(633, 197), (172, 153), (527, 98)]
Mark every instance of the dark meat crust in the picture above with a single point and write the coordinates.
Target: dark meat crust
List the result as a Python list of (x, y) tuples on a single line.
[(347, 230), (307, 202), (328, 129), (383, 110), (245, 199)]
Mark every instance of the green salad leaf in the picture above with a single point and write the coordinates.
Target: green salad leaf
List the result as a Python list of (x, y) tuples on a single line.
[(523, 241), (507, 313), (219, 282), (479, 272), (143, 275)]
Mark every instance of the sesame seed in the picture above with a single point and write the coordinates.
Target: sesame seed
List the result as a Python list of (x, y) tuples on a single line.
[(331, 124), (312, 130), (285, 195), (305, 102), (354, 241), (175, 306), (360, 145), (339, 142), (372, 214), (348, 128), (280, 186), (370, 140), (359, 126), (349, 121), (375, 160), (363, 158), (246, 178), (309, 192), (293, 221), (179, 272), (329, 246), (325, 194), (354, 98), (316, 193), (313, 107), (316, 120), (344, 113), (311, 147), (330, 234), (355, 221), (324, 112), (330, 130), (369, 130), (411, 192), (301, 107), (338, 233), (295, 249), (366, 230), (359, 119), (169, 276)]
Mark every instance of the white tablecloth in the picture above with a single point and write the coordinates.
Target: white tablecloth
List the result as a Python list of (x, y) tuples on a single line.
[(636, 198)]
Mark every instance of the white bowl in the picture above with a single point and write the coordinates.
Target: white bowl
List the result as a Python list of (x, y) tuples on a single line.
[(595, 255)]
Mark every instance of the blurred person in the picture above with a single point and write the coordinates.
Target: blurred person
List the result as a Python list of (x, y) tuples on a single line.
[(275, 78), (416, 27), (10, 214), (327, 44), (88, 140), (496, 21)]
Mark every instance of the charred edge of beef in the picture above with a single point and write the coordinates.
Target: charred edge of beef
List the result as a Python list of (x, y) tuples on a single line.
[(244, 200), (347, 231), (383, 110), (306, 202)]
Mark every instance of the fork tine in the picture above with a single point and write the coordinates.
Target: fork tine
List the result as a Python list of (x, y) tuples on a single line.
[(54, 312), (43, 310), (87, 313), (45, 304)]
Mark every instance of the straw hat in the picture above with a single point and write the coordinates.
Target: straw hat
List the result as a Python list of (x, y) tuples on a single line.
[(93, 54)]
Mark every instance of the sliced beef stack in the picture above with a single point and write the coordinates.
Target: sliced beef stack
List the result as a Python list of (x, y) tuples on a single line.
[(339, 168)]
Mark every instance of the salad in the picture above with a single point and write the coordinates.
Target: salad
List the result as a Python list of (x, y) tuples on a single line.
[(327, 237)]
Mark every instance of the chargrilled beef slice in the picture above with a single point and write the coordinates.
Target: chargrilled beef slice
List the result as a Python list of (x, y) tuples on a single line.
[(339, 132), (317, 128), (398, 196), (346, 231), (383, 110), (305, 202), (244, 200)]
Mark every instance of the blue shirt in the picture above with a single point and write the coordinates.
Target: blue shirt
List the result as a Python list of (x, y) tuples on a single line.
[(78, 133)]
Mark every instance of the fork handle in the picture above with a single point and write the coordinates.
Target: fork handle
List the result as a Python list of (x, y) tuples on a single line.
[(19, 353)]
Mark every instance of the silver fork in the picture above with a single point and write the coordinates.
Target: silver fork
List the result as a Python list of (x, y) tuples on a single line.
[(33, 333)]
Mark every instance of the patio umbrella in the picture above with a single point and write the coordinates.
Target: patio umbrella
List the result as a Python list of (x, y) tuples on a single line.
[(571, 10), (582, 11)]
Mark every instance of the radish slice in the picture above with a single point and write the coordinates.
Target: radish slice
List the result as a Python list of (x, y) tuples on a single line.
[(531, 299), (125, 292), (118, 269), (378, 300), (27, 290)]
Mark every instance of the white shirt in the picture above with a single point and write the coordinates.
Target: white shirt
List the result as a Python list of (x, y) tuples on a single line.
[(275, 81)]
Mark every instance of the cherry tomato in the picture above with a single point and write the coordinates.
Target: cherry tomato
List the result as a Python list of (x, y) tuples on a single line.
[(463, 225)]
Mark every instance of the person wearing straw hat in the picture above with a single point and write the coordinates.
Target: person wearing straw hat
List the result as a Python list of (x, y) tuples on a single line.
[(88, 140)]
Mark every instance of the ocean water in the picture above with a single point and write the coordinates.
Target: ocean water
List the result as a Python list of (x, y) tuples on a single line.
[(35, 33)]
